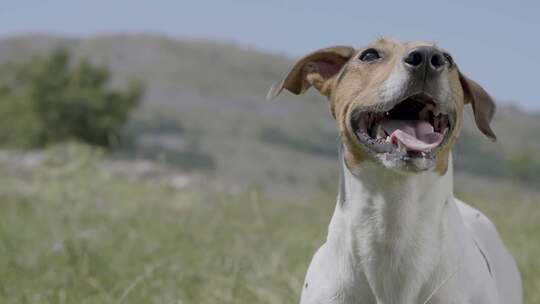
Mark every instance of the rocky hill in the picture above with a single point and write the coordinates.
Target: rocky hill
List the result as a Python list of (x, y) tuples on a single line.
[(204, 111)]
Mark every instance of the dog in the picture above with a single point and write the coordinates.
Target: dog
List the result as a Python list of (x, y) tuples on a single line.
[(398, 235)]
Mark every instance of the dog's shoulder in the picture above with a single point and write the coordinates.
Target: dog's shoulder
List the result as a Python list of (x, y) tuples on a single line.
[(473, 218), (499, 262), (331, 280), (318, 284)]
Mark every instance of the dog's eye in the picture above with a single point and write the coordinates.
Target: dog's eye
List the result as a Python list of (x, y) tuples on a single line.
[(449, 59), (369, 55)]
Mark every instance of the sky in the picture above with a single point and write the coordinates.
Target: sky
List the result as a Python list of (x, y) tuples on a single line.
[(496, 43)]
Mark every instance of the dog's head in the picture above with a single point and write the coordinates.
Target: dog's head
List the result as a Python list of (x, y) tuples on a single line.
[(399, 104)]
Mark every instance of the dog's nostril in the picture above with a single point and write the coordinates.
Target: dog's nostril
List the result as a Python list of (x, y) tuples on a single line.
[(414, 59), (437, 60), (425, 57)]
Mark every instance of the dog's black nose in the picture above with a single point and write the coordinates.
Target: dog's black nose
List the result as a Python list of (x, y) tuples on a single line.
[(419, 57)]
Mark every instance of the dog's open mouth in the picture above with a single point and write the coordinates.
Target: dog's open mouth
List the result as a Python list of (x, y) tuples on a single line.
[(415, 127)]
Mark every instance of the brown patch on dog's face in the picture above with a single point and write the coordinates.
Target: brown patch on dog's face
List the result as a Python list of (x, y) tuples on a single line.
[(399, 104)]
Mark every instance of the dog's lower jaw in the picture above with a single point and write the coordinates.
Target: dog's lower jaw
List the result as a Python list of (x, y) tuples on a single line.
[(393, 239)]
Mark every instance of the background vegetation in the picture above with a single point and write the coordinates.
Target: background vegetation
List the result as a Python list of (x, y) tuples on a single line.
[(51, 99)]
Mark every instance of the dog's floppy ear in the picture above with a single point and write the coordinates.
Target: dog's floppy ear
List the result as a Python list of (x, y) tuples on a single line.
[(482, 104), (315, 69)]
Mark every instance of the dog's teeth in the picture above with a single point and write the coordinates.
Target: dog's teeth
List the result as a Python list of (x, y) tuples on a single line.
[(401, 147), (436, 111), (380, 132), (436, 122), (423, 154), (443, 123)]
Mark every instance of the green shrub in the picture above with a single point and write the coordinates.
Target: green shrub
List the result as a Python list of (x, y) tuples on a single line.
[(51, 99), (524, 166)]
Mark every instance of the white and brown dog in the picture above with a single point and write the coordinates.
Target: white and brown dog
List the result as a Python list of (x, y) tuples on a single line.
[(398, 235)]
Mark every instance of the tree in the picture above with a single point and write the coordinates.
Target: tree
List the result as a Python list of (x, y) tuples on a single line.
[(50, 99)]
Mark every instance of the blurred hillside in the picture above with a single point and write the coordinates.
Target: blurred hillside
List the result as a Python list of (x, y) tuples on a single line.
[(204, 112)]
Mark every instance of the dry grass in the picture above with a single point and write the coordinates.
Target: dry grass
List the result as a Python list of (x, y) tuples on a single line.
[(71, 233)]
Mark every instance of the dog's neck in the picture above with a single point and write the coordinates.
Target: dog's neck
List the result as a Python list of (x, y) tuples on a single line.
[(394, 229)]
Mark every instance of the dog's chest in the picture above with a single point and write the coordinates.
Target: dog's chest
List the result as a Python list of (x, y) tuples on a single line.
[(332, 280), (335, 276)]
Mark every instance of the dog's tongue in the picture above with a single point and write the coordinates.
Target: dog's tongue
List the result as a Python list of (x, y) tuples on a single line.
[(415, 135)]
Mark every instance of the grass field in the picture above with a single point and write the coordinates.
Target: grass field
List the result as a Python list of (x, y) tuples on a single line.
[(72, 233)]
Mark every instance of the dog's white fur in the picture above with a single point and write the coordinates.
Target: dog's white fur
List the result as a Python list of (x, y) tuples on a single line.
[(404, 238)]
